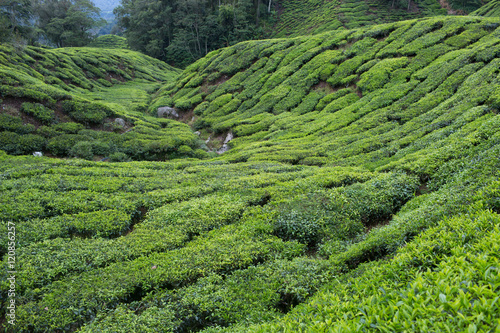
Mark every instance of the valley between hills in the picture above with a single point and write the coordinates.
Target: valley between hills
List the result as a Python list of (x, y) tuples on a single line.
[(342, 181)]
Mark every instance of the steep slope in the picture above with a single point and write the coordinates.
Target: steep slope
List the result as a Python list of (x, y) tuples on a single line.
[(360, 191), (305, 17), (110, 42), (491, 9), (382, 96), (72, 101)]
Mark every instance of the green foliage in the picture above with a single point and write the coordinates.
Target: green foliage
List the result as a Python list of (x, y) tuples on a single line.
[(380, 74), (343, 213), (61, 145), (15, 21), (110, 42), (14, 124), (360, 190), (40, 112), (82, 149), (68, 128), (118, 157), (169, 35), (67, 23), (87, 112), (300, 226), (15, 144), (489, 9)]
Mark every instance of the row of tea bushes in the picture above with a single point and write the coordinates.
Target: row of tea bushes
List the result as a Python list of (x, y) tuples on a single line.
[(145, 142), (447, 278), (312, 17), (92, 88), (163, 229), (373, 94), (222, 250)]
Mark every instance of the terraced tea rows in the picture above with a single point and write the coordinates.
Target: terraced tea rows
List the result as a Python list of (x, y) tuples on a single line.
[(360, 192), (68, 102), (307, 17), (385, 96)]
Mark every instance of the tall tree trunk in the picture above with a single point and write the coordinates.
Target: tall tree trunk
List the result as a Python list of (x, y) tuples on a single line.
[(12, 18), (234, 13), (200, 52), (269, 8), (257, 13)]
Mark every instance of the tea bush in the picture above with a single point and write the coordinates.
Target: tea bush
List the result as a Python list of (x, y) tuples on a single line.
[(86, 112), (15, 144), (14, 124), (298, 226), (82, 149), (40, 112)]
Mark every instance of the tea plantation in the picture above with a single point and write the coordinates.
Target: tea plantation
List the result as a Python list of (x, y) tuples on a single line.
[(356, 185), (490, 9), (304, 17), (87, 102)]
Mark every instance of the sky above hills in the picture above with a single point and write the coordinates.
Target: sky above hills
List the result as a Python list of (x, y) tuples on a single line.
[(106, 6)]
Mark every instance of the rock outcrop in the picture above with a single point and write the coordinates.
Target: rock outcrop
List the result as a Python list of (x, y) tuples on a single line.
[(167, 111)]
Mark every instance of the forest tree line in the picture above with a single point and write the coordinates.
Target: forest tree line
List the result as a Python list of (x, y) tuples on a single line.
[(181, 31), (59, 23)]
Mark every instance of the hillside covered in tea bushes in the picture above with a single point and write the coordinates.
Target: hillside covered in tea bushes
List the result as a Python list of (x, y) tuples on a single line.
[(385, 97), (306, 17), (490, 9), (358, 189), (87, 102)]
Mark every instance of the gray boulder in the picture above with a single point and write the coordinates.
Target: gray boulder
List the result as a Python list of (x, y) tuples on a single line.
[(225, 146), (223, 149), (229, 137), (38, 154), (120, 122), (167, 111)]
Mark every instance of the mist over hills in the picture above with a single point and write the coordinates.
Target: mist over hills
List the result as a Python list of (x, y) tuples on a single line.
[(106, 6)]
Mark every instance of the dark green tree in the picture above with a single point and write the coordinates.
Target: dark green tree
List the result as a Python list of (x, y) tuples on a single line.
[(14, 19), (196, 30), (181, 31), (67, 22)]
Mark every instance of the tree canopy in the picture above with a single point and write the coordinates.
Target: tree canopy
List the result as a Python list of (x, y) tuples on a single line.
[(182, 31), (57, 22), (67, 22), (14, 18)]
